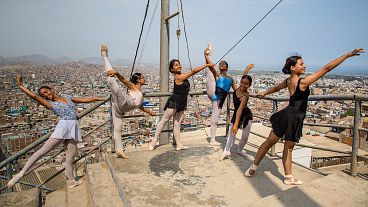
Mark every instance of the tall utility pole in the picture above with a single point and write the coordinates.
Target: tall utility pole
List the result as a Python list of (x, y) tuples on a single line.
[(164, 63)]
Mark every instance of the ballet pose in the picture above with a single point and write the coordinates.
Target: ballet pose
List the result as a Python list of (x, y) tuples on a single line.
[(66, 131), (288, 123), (177, 102), (121, 100), (242, 118), (218, 87)]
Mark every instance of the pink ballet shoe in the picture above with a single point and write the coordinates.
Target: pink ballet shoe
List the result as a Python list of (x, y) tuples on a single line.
[(214, 143), (152, 144), (121, 154), (290, 180), (181, 147), (74, 184), (225, 154), (15, 179), (243, 154), (251, 170), (104, 50)]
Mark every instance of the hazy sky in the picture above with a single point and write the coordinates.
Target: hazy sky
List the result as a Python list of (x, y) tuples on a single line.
[(319, 30)]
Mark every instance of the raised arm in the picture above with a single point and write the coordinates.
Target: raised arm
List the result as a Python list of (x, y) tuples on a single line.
[(274, 89), (29, 93), (305, 82), (125, 81), (87, 100), (247, 69), (184, 76), (243, 103)]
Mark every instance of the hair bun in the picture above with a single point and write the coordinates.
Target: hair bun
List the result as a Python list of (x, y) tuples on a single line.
[(286, 70)]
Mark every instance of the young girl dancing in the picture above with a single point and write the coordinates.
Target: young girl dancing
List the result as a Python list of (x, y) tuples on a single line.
[(66, 131), (288, 123), (177, 102), (242, 118), (122, 101), (218, 87)]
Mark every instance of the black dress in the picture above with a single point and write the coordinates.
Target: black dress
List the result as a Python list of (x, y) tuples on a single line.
[(288, 123), (246, 114), (178, 100)]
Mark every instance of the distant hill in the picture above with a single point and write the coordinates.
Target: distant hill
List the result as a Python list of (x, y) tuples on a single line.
[(44, 60)]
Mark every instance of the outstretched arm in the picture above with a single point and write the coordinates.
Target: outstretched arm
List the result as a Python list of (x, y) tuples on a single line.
[(274, 89), (126, 82), (243, 103), (37, 98), (86, 100), (151, 113), (184, 76), (305, 82)]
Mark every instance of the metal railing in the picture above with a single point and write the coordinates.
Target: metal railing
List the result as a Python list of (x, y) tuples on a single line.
[(353, 166)]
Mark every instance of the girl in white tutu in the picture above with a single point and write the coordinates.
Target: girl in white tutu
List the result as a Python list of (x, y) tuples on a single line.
[(66, 131)]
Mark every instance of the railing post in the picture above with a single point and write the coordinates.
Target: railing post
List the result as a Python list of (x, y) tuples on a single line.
[(112, 129), (227, 114), (274, 109), (9, 172), (355, 143)]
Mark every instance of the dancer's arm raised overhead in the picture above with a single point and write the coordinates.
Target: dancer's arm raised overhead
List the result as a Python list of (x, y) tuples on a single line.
[(87, 100), (246, 71), (125, 81), (305, 82), (181, 77), (274, 89), (150, 112), (34, 96), (243, 104)]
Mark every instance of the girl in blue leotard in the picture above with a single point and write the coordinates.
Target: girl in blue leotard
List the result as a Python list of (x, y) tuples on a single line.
[(218, 87)]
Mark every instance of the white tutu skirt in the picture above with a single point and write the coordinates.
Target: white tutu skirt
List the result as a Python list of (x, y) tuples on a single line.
[(67, 129)]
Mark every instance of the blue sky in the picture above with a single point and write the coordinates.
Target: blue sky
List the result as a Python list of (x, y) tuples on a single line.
[(319, 30)]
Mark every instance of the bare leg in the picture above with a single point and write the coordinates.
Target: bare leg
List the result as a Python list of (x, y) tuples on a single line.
[(216, 111), (287, 158), (50, 144), (178, 117), (263, 149), (165, 118)]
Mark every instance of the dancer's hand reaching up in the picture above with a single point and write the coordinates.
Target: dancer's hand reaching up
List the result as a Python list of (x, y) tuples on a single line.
[(112, 73), (355, 52), (19, 80)]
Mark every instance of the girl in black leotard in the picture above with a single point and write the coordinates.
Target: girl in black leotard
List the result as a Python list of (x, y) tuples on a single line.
[(288, 123), (177, 102), (241, 118)]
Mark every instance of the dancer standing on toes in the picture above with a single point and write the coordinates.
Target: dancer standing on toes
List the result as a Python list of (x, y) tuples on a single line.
[(66, 131), (242, 118), (218, 87), (122, 101), (177, 102), (288, 123)]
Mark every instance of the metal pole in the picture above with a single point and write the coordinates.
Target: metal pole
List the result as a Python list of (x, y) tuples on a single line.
[(227, 114), (274, 109), (355, 144), (164, 63)]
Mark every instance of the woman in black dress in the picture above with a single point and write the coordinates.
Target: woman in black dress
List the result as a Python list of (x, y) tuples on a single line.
[(288, 123), (177, 102)]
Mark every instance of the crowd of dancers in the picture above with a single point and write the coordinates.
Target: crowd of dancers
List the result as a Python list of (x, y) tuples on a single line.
[(287, 124)]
